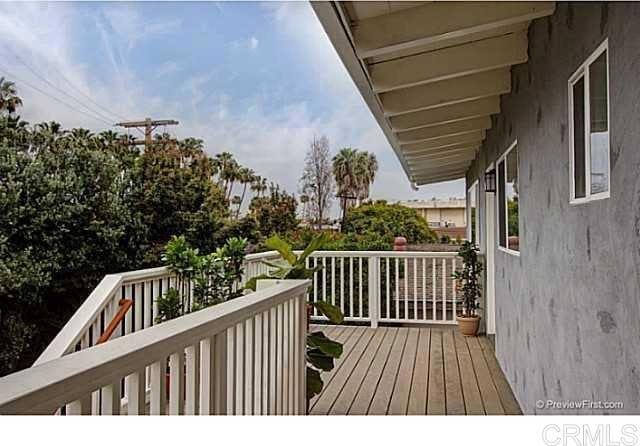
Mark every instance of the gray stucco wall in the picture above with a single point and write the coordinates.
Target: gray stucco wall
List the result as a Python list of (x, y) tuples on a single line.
[(568, 309)]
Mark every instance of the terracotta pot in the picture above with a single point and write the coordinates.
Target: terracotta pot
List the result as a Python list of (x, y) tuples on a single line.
[(468, 326)]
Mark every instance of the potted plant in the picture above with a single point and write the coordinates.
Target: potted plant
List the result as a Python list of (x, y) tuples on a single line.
[(468, 279)]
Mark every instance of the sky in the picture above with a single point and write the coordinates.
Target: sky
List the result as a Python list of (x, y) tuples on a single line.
[(257, 79)]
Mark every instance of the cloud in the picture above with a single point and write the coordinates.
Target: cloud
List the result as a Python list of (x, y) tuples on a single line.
[(271, 140), (167, 67)]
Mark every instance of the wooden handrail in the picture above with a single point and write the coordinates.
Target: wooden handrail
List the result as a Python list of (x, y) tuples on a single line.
[(125, 304)]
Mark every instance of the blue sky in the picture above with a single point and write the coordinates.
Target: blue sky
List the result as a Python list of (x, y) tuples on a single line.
[(258, 79)]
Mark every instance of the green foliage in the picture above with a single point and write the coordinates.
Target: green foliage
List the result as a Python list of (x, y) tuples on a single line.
[(469, 278), (214, 277), (75, 206), (377, 224), (275, 213), (169, 305)]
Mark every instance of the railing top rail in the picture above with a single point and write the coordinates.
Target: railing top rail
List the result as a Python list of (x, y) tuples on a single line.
[(401, 254), (45, 387)]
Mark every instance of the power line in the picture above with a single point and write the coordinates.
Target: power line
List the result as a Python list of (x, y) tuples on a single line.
[(12, 76), (73, 87), (46, 81)]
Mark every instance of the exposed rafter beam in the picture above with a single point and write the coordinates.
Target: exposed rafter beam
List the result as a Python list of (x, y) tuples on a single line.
[(454, 128), (441, 143), (462, 156), (446, 63), (446, 92), (439, 21), (421, 181), (442, 152), (441, 168), (444, 115)]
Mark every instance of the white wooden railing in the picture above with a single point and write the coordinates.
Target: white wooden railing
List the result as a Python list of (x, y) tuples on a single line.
[(387, 286), (245, 356), (89, 322)]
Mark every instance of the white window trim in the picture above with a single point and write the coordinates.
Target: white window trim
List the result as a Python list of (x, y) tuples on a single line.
[(583, 72), (475, 187), (506, 208)]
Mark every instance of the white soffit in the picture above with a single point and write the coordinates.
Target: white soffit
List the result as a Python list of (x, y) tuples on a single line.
[(431, 72)]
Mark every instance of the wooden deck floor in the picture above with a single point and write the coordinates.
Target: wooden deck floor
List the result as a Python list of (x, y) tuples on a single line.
[(413, 371)]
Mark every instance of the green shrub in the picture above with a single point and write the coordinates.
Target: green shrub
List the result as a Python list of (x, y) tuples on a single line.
[(375, 225)]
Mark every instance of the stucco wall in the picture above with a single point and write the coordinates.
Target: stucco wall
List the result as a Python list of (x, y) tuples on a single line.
[(568, 309)]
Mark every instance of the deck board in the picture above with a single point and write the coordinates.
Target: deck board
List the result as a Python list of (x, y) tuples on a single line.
[(326, 400), (436, 403), (352, 386), (369, 385), (402, 387), (508, 399), (470, 391), (452, 382), (400, 370), (382, 397), (420, 380), (488, 392)]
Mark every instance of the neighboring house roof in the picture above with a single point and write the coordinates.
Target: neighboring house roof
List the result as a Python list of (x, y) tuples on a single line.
[(432, 72), (452, 203)]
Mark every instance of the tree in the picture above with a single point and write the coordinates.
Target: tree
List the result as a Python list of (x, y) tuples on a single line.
[(275, 213), (317, 181), (380, 222), (354, 171), (9, 99)]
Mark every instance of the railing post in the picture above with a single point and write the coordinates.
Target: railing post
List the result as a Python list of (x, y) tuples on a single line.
[(374, 292)]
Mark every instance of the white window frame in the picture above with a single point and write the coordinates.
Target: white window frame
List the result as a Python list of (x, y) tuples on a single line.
[(503, 157), (583, 73), (475, 188)]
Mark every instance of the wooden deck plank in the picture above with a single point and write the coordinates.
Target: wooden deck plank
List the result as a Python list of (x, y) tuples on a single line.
[(347, 336), (418, 394), (488, 392), (507, 398), (369, 386), (452, 382), (328, 397), (326, 329), (350, 389), (367, 390), (435, 392), (470, 391), (382, 396), (402, 387), (413, 371)]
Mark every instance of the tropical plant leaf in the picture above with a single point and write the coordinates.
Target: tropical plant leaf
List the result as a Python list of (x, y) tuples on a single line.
[(320, 360), (332, 312), (314, 383), (320, 341), (283, 248), (315, 244)]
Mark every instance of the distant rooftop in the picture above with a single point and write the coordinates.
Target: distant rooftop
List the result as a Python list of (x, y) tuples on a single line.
[(434, 203)]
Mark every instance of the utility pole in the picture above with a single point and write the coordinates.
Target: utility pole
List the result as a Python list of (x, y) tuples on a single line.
[(149, 125)]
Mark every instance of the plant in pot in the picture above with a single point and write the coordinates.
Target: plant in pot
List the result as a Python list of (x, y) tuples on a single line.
[(321, 351), (468, 280)]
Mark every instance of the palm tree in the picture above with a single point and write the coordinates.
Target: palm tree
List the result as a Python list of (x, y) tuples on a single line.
[(354, 172), (9, 99), (344, 172), (246, 176), (366, 169)]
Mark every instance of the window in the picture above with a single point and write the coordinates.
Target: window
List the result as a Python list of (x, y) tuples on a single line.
[(589, 128), (473, 220), (508, 201)]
